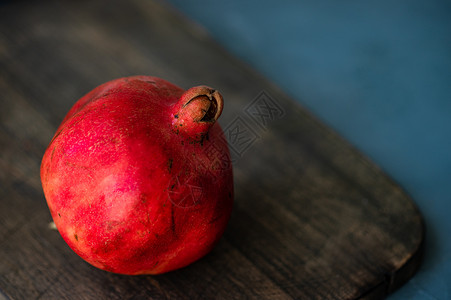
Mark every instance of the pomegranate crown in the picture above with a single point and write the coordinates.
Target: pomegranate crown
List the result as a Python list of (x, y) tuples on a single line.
[(197, 111)]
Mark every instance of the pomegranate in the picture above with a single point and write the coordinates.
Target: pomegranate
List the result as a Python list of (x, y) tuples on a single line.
[(138, 177)]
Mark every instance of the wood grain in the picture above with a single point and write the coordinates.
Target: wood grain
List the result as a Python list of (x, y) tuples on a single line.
[(313, 218)]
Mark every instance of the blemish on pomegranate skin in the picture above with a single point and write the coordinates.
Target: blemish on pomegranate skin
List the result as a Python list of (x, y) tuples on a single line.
[(76, 237), (143, 198), (170, 161), (46, 176), (114, 140), (53, 152), (59, 215), (215, 219), (173, 221)]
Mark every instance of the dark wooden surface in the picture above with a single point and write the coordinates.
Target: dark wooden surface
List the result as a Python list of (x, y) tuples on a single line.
[(313, 218)]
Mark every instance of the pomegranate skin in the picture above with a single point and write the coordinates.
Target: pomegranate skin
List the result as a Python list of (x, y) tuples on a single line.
[(138, 177)]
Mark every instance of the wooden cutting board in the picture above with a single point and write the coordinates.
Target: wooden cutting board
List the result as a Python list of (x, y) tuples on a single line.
[(313, 218)]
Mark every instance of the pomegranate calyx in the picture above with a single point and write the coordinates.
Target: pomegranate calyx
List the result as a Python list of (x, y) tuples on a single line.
[(196, 111)]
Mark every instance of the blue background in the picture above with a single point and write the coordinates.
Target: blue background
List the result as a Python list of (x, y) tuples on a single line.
[(379, 73)]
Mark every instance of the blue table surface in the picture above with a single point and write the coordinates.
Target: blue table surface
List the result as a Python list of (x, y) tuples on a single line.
[(379, 73)]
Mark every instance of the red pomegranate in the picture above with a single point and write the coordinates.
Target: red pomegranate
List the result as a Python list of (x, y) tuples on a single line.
[(138, 176)]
